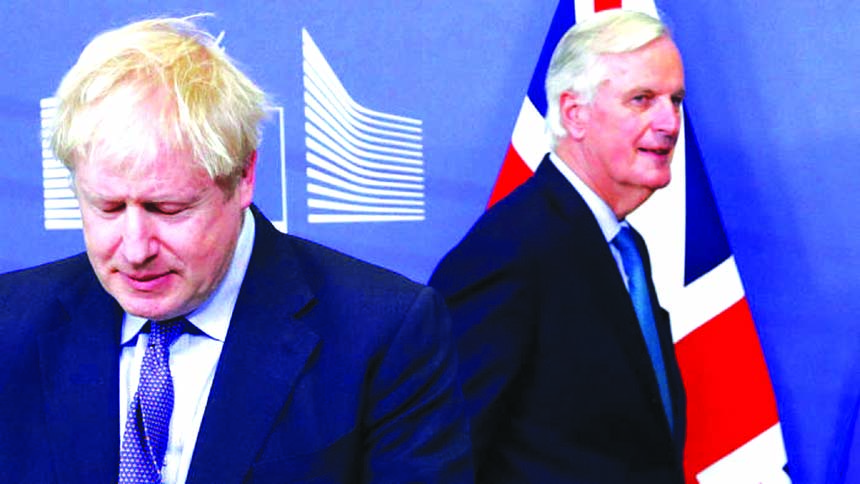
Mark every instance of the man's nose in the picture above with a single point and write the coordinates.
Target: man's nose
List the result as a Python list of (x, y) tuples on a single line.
[(667, 118), (139, 243)]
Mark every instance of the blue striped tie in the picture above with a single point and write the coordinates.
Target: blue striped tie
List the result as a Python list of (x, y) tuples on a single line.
[(638, 286), (144, 441)]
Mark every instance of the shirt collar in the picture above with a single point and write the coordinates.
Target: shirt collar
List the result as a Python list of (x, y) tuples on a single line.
[(609, 225), (213, 316)]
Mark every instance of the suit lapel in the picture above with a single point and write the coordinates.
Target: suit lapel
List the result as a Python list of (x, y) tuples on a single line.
[(79, 362), (265, 351), (614, 306)]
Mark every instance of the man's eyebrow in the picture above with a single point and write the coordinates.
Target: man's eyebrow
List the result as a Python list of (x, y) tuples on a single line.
[(639, 90)]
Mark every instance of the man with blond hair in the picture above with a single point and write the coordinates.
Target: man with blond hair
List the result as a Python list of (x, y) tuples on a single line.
[(192, 342), (566, 357)]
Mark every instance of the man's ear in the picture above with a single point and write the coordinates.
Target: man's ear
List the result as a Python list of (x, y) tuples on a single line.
[(251, 164), (574, 113), (248, 180)]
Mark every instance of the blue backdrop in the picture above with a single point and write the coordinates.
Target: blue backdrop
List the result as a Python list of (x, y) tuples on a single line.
[(772, 92)]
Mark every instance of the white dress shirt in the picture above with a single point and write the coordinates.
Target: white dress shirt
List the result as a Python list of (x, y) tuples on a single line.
[(193, 359)]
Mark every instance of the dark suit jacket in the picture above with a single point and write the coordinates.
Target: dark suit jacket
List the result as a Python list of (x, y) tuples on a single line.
[(333, 370), (558, 382)]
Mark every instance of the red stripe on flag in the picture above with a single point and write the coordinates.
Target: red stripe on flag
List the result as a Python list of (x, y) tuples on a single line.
[(606, 4), (729, 396), (513, 173)]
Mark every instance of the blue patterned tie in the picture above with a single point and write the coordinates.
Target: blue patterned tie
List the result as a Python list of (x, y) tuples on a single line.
[(638, 286), (144, 441)]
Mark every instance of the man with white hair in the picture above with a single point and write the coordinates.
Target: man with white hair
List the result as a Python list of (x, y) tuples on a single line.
[(566, 357)]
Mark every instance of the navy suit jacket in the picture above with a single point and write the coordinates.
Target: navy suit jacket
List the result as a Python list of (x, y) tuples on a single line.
[(333, 370), (558, 382)]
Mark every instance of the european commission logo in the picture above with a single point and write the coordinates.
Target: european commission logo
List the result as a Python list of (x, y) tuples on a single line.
[(363, 165), (61, 210)]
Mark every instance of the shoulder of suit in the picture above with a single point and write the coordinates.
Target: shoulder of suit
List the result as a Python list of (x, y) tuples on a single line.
[(57, 273), (347, 270)]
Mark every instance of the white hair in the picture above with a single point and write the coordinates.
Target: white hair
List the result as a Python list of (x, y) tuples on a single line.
[(576, 63)]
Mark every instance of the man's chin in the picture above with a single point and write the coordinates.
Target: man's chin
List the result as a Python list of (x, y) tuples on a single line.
[(659, 179), (148, 308)]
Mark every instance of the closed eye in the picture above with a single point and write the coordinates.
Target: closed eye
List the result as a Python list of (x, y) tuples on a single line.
[(165, 208), (111, 207)]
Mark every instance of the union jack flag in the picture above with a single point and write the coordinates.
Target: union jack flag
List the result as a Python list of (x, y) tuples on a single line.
[(733, 430)]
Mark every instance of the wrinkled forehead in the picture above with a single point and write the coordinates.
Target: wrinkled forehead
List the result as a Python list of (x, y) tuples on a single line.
[(658, 59)]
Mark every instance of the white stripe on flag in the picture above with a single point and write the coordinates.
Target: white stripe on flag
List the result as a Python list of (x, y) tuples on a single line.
[(582, 9), (758, 461), (644, 6), (529, 138), (705, 298)]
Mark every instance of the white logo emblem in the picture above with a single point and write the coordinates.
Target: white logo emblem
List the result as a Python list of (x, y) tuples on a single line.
[(363, 165), (61, 206)]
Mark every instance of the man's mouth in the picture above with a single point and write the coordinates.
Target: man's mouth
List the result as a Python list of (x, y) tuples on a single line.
[(145, 282), (657, 151)]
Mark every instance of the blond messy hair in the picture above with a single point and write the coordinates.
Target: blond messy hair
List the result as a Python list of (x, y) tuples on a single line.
[(576, 63), (212, 109)]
